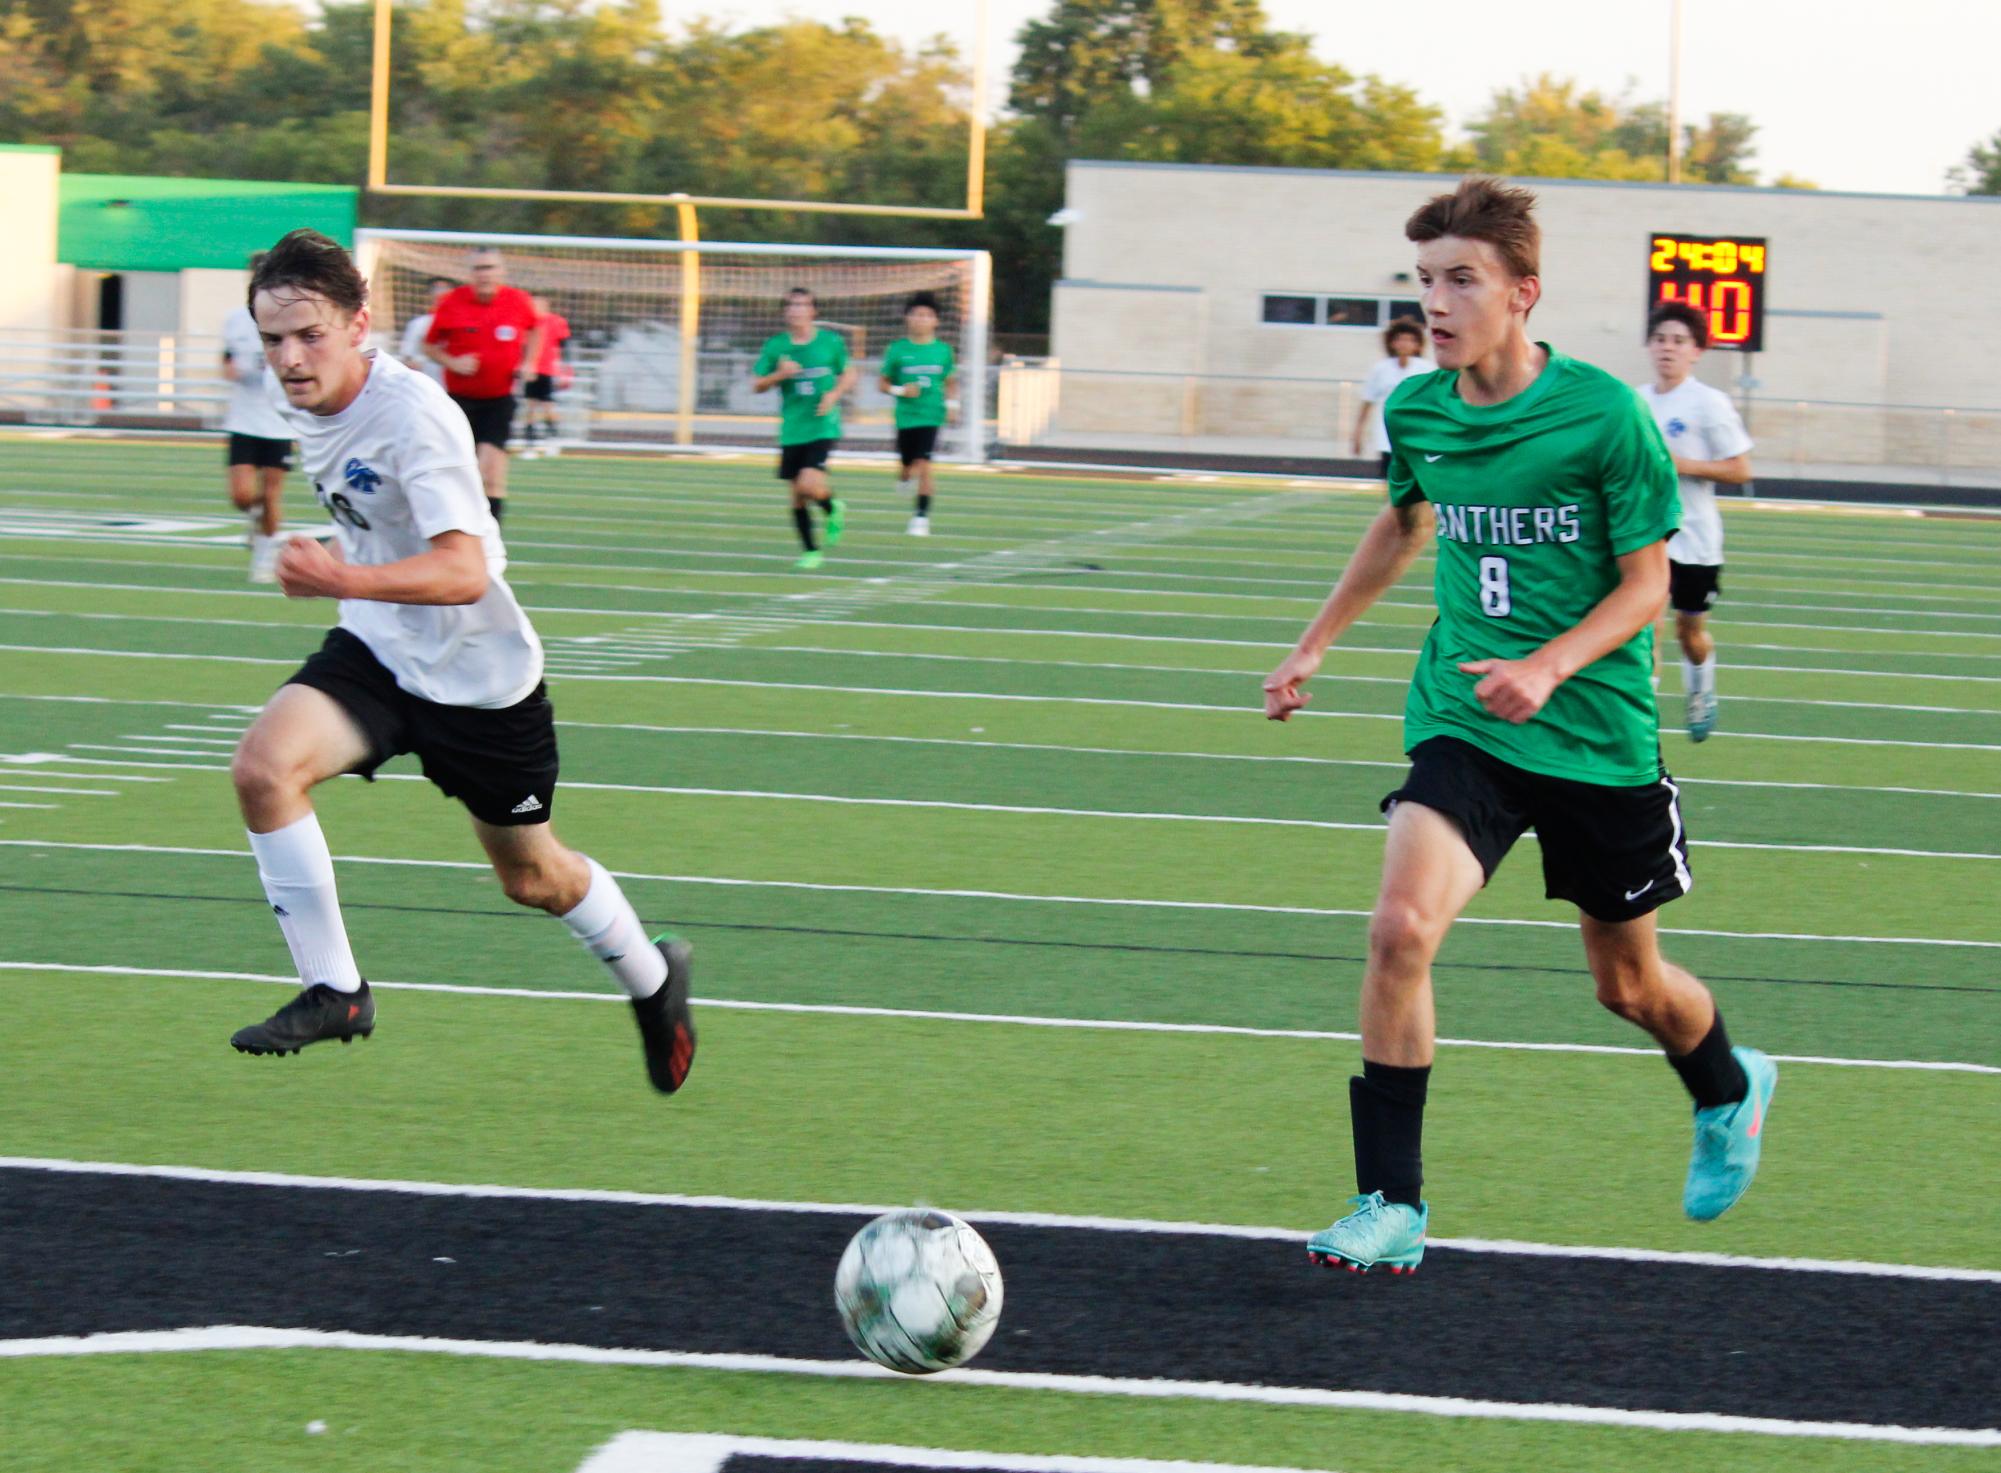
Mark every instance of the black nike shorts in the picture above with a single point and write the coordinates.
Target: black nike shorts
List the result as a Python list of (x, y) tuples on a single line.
[(1693, 587), (492, 420), (916, 443), (810, 456), (256, 450), (1616, 853), (500, 763)]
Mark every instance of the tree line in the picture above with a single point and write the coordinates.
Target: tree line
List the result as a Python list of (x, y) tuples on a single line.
[(600, 95)]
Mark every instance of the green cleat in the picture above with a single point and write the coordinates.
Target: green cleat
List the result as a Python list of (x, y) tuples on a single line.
[(1727, 1141), (1376, 1234), (837, 512), (809, 561), (1701, 716)]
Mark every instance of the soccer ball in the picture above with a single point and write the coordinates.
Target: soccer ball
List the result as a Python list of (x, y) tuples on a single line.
[(919, 1291)]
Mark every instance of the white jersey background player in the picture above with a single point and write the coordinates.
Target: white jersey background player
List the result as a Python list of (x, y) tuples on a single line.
[(432, 655), (260, 442), (1709, 443)]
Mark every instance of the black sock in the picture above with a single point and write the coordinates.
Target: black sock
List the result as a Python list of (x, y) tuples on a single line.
[(1387, 1105), (1711, 1071), (826, 504), (923, 504), (803, 520), (497, 505)]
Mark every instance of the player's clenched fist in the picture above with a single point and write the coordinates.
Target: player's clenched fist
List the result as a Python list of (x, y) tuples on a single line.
[(1513, 690), (308, 568)]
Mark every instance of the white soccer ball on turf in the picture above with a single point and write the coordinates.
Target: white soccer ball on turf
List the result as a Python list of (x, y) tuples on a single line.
[(918, 1291)]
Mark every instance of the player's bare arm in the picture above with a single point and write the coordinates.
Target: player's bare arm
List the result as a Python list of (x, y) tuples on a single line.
[(532, 354), (452, 572), (787, 369), (841, 386), (1386, 551), (1736, 471), (1515, 690)]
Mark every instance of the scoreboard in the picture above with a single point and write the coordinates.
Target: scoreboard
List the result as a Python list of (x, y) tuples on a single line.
[(1721, 275)]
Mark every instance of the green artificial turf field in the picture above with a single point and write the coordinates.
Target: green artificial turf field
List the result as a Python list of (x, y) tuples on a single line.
[(1016, 773)]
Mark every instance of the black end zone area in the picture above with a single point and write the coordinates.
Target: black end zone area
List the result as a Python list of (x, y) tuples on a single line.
[(141, 1253)]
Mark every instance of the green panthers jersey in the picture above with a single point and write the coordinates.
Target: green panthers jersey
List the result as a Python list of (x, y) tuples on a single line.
[(1535, 499), (926, 365), (822, 359)]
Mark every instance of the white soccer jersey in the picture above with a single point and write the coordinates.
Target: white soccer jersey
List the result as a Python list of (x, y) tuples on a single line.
[(395, 469), (250, 409), (1698, 423), (411, 349), (1376, 389)]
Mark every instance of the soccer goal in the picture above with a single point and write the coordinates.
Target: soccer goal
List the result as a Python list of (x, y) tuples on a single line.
[(664, 333)]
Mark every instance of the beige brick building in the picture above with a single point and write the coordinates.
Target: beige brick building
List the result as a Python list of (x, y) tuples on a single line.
[(1242, 304)]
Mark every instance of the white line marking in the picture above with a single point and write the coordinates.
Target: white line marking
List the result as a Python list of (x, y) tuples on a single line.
[(240, 1337), (1066, 1221), (50, 807), (709, 1452), (44, 788), (1016, 1020), (1118, 901)]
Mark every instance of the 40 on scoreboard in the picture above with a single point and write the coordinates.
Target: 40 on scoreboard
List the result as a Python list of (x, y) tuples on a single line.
[(1723, 275)]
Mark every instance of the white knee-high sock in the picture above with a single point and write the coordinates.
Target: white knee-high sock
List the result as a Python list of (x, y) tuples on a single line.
[(298, 875), (606, 923), (1699, 679)]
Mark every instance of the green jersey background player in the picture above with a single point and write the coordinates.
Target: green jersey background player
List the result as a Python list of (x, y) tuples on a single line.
[(809, 365), (918, 371), (1553, 498)]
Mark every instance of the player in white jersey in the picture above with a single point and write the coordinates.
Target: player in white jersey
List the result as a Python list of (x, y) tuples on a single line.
[(432, 655), (1403, 342), (1709, 444), (260, 442)]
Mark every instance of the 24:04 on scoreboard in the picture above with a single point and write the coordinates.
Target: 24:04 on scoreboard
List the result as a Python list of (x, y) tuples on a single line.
[(1721, 275)]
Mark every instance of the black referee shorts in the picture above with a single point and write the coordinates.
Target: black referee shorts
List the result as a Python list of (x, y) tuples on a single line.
[(1616, 853), (500, 763), (492, 420)]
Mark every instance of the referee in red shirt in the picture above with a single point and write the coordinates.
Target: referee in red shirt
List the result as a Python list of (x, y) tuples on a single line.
[(482, 334)]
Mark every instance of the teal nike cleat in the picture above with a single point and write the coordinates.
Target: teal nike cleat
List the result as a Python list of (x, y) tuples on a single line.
[(1727, 1142), (1701, 716), (837, 514), (1376, 1234), (808, 561)]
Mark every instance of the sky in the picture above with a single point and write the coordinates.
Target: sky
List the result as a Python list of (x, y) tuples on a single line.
[(1870, 95)]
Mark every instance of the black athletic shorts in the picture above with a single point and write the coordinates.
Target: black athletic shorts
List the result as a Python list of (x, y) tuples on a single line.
[(500, 763), (1693, 587), (916, 443), (491, 419), (810, 456), (542, 387), (256, 450), (1613, 852)]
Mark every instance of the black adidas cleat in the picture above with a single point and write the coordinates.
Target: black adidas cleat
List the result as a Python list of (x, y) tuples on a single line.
[(666, 1027), (317, 1014)]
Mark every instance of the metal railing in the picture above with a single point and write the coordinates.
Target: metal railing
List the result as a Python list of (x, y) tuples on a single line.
[(82, 376), (1046, 406)]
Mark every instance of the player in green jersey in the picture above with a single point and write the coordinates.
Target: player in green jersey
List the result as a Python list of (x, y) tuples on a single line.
[(918, 372), (809, 366), (1552, 497)]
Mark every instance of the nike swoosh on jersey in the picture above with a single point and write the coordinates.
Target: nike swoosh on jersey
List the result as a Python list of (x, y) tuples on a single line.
[(1435, 457)]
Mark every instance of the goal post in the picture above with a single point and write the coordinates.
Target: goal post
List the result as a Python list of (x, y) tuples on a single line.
[(664, 332)]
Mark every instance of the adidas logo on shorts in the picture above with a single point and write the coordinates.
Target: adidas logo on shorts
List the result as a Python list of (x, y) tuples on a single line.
[(529, 804)]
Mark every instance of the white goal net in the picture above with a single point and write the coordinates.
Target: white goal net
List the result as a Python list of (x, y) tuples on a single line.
[(664, 333)]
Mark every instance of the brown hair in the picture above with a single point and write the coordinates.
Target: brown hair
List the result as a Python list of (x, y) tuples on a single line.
[(306, 261), (1481, 208), (1402, 327), (1692, 318)]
